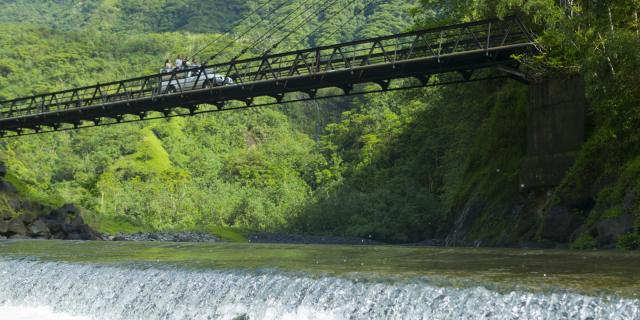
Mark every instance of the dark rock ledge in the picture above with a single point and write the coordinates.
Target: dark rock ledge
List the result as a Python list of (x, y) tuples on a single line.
[(265, 237), (164, 237), (64, 223)]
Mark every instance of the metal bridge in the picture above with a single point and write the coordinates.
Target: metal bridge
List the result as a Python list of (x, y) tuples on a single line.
[(460, 51)]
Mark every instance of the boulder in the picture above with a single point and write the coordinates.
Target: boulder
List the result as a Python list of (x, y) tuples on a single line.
[(27, 218), (4, 227), (18, 237), (68, 228), (77, 221), (86, 233), (560, 223), (54, 226), (65, 214), (74, 236), (120, 238), (58, 236), (39, 229), (70, 208), (16, 226), (5, 186), (608, 230)]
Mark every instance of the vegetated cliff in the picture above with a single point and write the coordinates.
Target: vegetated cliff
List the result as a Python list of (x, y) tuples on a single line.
[(404, 160), (597, 204), (24, 217)]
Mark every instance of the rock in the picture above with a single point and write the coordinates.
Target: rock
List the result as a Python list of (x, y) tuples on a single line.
[(74, 236), (5, 216), (54, 226), (7, 187), (428, 243), (68, 228), (534, 245), (66, 213), (27, 218), (3, 238), (630, 200), (264, 237), (77, 221), (55, 215), (608, 230), (58, 236), (559, 224), (166, 237), (86, 233), (70, 208), (16, 226), (39, 229), (4, 227), (19, 237)]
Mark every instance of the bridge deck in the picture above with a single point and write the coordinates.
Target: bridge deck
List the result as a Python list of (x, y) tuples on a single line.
[(460, 48)]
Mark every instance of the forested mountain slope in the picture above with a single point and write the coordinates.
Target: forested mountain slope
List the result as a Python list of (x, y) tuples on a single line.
[(131, 16), (441, 162), (254, 168)]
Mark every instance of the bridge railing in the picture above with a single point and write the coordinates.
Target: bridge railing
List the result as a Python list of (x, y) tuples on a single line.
[(437, 43)]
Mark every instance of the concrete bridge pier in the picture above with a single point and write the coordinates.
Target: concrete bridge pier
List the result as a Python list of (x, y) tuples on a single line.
[(555, 130)]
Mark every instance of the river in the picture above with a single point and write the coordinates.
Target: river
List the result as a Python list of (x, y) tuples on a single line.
[(144, 280)]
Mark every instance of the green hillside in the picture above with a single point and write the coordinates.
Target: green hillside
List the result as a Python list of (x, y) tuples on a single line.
[(397, 167)]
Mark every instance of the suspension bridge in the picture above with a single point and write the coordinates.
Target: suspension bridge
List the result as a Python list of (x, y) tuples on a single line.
[(437, 56)]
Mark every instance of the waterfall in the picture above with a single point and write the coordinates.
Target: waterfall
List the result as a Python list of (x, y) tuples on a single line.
[(136, 292)]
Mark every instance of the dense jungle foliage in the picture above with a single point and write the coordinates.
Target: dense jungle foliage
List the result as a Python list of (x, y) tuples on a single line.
[(395, 167)]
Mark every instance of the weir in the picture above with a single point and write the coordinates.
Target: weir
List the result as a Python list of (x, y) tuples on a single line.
[(142, 292)]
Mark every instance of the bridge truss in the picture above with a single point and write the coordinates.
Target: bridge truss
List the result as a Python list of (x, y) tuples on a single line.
[(438, 56)]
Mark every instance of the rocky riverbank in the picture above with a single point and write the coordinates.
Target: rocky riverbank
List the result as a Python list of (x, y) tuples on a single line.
[(64, 223), (264, 237), (164, 236)]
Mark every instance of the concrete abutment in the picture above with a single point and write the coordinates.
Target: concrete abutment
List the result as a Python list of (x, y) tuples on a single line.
[(555, 130)]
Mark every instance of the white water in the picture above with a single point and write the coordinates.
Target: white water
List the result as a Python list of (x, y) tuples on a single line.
[(102, 292), (34, 313)]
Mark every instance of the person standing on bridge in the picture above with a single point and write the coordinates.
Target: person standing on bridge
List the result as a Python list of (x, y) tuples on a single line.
[(168, 65), (179, 62)]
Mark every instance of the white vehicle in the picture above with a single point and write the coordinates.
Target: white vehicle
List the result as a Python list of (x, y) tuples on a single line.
[(185, 80)]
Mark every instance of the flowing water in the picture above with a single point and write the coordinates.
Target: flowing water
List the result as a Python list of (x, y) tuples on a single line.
[(109, 280)]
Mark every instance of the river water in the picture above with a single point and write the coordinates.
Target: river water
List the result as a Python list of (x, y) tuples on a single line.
[(110, 280)]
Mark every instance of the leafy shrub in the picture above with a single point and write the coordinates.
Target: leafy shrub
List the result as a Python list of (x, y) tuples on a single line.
[(629, 241), (584, 241)]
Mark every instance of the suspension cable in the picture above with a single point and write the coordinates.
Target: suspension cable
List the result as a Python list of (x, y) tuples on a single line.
[(236, 24), (319, 10), (321, 25), (269, 33), (345, 23), (244, 33)]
